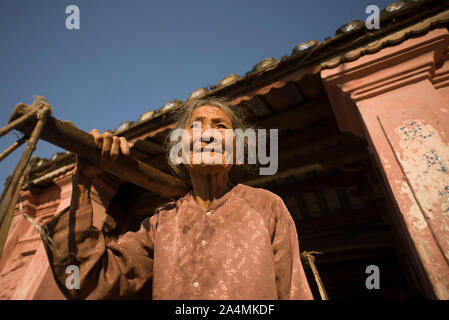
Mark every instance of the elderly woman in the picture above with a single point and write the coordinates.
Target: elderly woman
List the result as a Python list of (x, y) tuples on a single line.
[(219, 241)]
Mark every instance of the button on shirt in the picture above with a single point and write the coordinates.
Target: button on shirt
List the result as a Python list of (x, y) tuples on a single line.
[(244, 247)]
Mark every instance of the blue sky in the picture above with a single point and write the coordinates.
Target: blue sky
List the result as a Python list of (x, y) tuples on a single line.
[(132, 56)]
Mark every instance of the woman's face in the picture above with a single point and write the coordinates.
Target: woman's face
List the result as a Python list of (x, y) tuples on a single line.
[(205, 118)]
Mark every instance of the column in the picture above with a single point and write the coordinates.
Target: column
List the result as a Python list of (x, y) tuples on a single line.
[(395, 100)]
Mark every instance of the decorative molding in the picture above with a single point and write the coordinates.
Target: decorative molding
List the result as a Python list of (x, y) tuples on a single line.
[(389, 69), (391, 39)]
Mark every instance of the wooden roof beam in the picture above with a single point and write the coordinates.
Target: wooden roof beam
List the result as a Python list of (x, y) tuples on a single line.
[(299, 116), (340, 180), (317, 161)]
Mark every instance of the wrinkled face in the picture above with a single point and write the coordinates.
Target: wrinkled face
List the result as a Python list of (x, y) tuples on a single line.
[(203, 119)]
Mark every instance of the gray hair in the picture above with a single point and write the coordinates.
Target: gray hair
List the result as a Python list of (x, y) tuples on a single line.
[(185, 112)]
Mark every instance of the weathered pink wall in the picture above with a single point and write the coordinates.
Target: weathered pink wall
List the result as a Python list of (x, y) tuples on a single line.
[(23, 260), (398, 100), (24, 269)]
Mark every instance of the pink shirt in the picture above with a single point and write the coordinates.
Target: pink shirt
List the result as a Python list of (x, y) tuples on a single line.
[(244, 247)]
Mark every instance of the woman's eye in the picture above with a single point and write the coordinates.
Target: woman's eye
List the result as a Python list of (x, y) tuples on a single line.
[(222, 126)]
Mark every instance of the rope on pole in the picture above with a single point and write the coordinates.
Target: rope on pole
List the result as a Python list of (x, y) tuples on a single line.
[(18, 121)]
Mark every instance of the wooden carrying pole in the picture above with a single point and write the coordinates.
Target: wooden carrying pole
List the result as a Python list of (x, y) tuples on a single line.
[(67, 136)]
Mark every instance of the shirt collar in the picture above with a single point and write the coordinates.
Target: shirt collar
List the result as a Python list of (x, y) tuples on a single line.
[(191, 202)]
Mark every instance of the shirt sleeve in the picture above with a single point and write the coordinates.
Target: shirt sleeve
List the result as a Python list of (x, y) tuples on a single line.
[(291, 280), (116, 269)]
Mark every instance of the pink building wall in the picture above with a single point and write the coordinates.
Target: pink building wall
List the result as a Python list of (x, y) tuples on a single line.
[(24, 269), (397, 99)]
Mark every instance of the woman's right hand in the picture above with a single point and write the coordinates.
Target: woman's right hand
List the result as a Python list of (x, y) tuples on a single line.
[(111, 147)]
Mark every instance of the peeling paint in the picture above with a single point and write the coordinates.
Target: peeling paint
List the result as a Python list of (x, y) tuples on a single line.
[(424, 157), (434, 161), (445, 195), (429, 172), (414, 130)]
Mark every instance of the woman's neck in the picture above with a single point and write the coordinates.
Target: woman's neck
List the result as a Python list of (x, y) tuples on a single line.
[(209, 187)]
